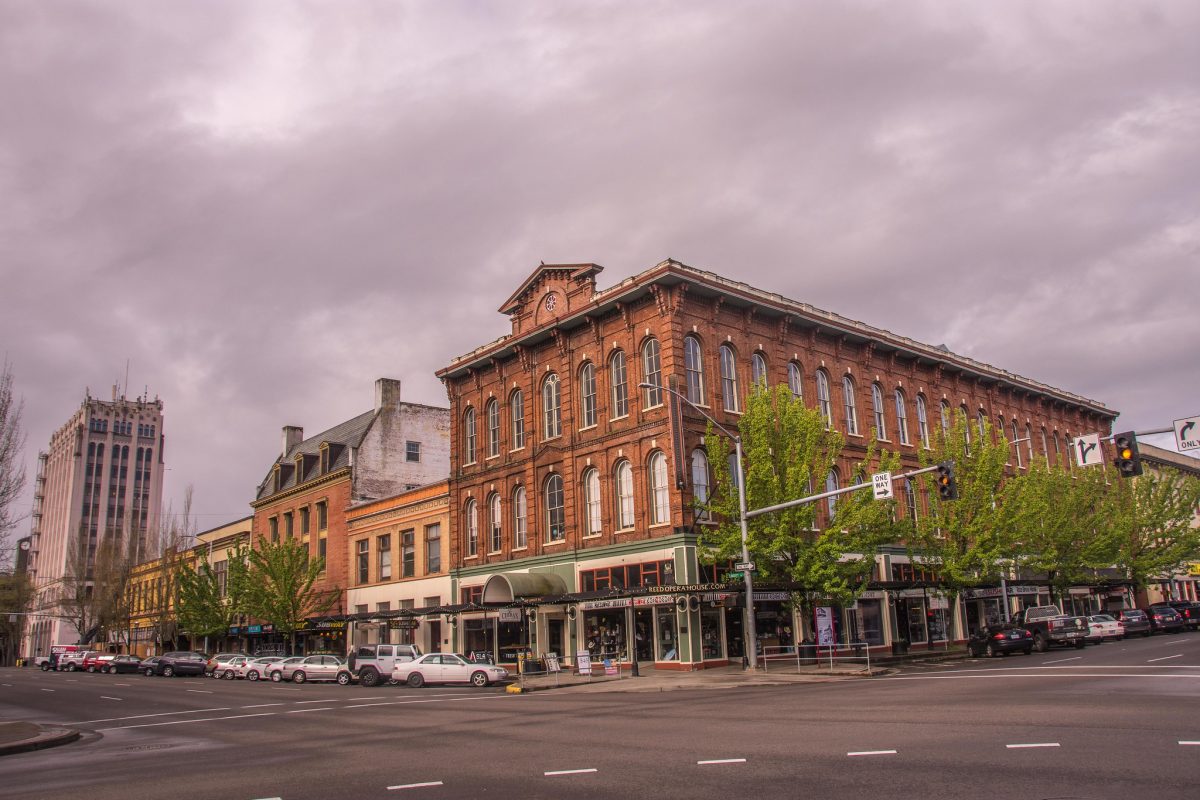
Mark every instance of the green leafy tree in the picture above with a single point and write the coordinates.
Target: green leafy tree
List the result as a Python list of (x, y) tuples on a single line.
[(1153, 519), (282, 586), (210, 601)]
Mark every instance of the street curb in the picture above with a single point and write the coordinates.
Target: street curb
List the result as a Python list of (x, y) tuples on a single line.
[(51, 737)]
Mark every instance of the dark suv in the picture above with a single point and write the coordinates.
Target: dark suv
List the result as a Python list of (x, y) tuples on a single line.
[(180, 662), (1134, 620), (1164, 619), (1189, 610)]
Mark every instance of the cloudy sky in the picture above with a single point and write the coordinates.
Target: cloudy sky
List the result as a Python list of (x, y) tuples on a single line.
[(264, 206)]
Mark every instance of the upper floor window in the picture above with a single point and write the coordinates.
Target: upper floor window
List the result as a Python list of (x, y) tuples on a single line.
[(472, 515), (516, 405), (363, 557), (693, 364), (981, 418), (796, 380), (469, 436), (660, 508), (520, 519), (591, 501), (412, 451), (1029, 442), (966, 429), (1016, 434), (901, 417), (758, 371), (945, 412), (619, 376), (624, 481), (433, 548), (1045, 447), (849, 405), (383, 548), (877, 411), (551, 408), (700, 483), (922, 421), (824, 403), (556, 526), (652, 372), (494, 538), (587, 395), (832, 484), (408, 554), (493, 428), (729, 387)]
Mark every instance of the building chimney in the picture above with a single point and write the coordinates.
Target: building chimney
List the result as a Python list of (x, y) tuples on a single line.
[(387, 394), (292, 436)]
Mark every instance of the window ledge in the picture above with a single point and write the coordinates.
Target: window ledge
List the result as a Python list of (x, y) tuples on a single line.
[(618, 419), (492, 458), (470, 558), (588, 427), (625, 530), (855, 435), (520, 549), (660, 525), (494, 552), (592, 536), (517, 449), (554, 542)]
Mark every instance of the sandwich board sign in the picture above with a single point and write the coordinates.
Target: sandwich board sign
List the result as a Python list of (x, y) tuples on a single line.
[(1187, 434), (1087, 450)]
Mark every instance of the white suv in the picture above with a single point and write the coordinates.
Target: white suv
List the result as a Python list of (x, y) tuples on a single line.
[(374, 663)]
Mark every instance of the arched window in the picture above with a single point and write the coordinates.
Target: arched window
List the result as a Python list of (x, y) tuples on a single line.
[(849, 406), (591, 501), (901, 417), (1003, 433), (472, 515), (1045, 447), (910, 501), (556, 525), (795, 380), (660, 498), (469, 436), (1058, 460), (922, 421), (516, 405), (758, 371), (494, 539), (520, 519), (981, 418), (1016, 445), (966, 428), (945, 418), (877, 412), (824, 403), (652, 373), (493, 428), (618, 375), (729, 387), (624, 481), (587, 395), (551, 407), (693, 364), (832, 484), (1029, 442), (700, 483)]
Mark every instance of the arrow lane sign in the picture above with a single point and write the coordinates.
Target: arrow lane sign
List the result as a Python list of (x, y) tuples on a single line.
[(1187, 434)]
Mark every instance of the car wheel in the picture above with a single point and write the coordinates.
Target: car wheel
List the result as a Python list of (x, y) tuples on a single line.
[(1028, 651), (1079, 645), (276, 677), (343, 679), (252, 675), (149, 672), (299, 677), (416, 680), (479, 679), (229, 675), (1039, 643), (168, 671), (991, 651), (369, 677), (112, 670), (45, 667), (70, 667)]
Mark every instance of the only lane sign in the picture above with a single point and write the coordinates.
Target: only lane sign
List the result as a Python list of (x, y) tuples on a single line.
[(1187, 434)]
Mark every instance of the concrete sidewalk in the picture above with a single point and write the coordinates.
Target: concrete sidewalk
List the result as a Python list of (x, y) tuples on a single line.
[(22, 737)]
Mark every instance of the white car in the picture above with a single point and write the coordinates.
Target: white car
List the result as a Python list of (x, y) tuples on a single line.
[(447, 668), (256, 668), (1104, 626), (231, 668)]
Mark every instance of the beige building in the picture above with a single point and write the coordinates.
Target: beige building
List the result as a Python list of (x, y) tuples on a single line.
[(1182, 585)]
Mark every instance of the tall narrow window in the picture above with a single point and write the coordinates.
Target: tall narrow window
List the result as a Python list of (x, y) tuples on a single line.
[(433, 548), (693, 364), (824, 403), (910, 501), (660, 508), (472, 515), (493, 428), (922, 421), (901, 417), (849, 406), (945, 418), (619, 376), (832, 484), (1029, 442), (1015, 444), (494, 532), (520, 519), (652, 373), (700, 483), (981, 418), (729, 387), (796, 380), (591, 501), (516, 407), (364, 561), (383, 547), (587, 395), (469, 436), (551, 408), (555, 519), (758, 371), (1057, 450), (1045, 447), (966, 428), (877, 411), (408, 554), (624, 481)]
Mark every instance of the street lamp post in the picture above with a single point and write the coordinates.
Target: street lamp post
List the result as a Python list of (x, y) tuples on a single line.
[(748, 626)]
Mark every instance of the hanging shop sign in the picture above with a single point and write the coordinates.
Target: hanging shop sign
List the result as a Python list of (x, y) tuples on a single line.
[(404, 624), (1193, 569), (654, 600), (509, 615), (592, 605), (323, 625), (770, 596), (688, 587)]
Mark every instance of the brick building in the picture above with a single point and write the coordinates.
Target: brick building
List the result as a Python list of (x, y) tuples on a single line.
[(396, 446), (572, 489)]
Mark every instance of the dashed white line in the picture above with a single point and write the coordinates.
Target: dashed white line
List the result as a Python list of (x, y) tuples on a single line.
[(47, 690), (185, 721), (145, 716), (106, 697), (121, 684), (1031, 744), (569, 771), (262, 705), (305, 710), (302, 702), (723, 761), (1165, 658), (425, 785), (9, 685), (1061, 660), (872, 753), (1185, 742), (198, 691)]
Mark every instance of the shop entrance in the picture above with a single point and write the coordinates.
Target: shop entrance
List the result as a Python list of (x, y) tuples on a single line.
[(735, 633), (643, 624), (435, 637), (554, 636)]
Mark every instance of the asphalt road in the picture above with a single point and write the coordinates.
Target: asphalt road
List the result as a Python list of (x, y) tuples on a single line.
[(1112, 721)]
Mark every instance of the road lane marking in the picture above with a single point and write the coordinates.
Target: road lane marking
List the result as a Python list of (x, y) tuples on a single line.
[(1059, 660), (1032, 744), (185, 721), (330, 700), (872, 753), (723, 761), (121, 684), (9, 685), (1165, 658), (262, 705), (198, 691), (569, 771), (145, 716), (1186, 742), (425, 785), (106, 697), (47, 690), (303, 710)]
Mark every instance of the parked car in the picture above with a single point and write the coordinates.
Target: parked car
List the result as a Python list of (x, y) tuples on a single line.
[(371, 663), (1164, 619), (1049, 625), (58, 653), (256, 668), (231, 669), (279, 666), (119, 664), (447, 668), (1188, 609), (1000, 640), (309, 668), (1134, 620), (216, 665), (180, 662), (95, 661), (1104, 626), (149, 666), (73, 660)]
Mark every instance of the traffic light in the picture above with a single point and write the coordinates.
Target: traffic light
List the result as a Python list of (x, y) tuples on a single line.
[(1128, 462), (947, 488)]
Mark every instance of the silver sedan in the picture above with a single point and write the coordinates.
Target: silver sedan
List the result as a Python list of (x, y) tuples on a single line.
[(447, 668), (308, 668)]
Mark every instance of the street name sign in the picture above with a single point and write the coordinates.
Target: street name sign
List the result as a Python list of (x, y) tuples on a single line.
[(1087, 450), (883, 485), (1187, 434), (744, 566)]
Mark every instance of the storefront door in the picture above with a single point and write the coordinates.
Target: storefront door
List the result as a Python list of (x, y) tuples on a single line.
[(644, 627), (555, 642)]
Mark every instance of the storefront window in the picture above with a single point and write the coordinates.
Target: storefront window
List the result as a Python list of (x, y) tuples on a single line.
[(478, 636), (710, 633), (604, 634), (511, 636), (667, 636), (870, 621)]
